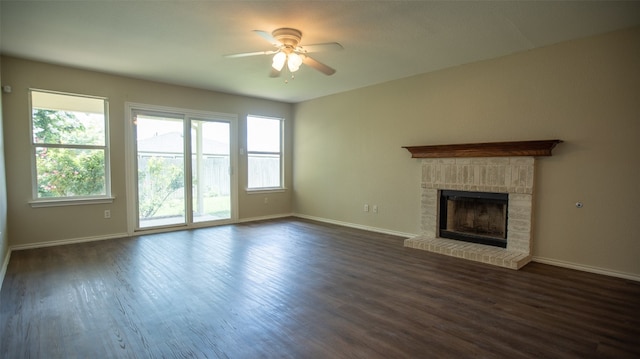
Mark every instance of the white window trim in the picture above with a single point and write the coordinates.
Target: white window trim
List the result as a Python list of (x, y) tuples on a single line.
[(36, 202), (261, 190), (75, 201), (265, 190)]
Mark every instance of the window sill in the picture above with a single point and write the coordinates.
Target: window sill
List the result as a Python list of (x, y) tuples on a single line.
[(265, 190), (70, 202)]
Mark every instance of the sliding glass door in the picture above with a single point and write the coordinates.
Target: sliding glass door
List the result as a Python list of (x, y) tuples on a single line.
[(182, 169), (210, 170)]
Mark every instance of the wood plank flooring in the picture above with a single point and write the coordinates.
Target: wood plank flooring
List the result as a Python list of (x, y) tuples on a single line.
[(293, 288)]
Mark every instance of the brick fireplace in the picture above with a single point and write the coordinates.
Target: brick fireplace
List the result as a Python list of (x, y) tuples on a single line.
[(497, 169)]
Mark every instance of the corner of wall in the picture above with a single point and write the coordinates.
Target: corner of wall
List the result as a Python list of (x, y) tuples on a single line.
[(4, 245)]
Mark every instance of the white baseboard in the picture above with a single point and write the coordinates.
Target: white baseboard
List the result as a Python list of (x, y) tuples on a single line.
[(62, 242), (5, 264), (586, 268), (263, 218), (358, 226)]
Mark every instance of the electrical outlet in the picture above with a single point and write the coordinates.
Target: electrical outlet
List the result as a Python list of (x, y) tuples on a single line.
[(366, 208), (375, 208), (107, 213), (266, 200)]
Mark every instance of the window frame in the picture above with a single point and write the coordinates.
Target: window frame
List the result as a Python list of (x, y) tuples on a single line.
[(281, 187), (69, 200)]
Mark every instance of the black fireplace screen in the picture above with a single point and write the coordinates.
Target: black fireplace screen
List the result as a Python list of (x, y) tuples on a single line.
[(479, 217)]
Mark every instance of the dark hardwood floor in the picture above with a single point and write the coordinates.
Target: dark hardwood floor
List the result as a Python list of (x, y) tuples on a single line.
[(293, 288)]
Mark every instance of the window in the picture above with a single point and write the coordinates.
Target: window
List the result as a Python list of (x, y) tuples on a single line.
[(69, 146), (264, 152)]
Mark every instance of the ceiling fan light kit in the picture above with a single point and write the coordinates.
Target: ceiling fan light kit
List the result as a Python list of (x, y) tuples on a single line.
[(278, 60), (292, 60), (289, 51)]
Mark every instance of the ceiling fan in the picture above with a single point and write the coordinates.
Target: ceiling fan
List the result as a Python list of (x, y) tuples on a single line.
[(289, 51)]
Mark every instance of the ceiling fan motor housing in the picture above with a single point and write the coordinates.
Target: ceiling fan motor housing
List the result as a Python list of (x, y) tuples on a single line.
[(290, 38)]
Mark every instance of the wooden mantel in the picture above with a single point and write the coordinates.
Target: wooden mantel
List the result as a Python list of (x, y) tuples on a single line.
[(491, 149)]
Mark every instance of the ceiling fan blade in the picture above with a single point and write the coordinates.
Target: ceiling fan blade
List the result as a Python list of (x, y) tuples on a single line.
[(267, 36), (318, 65), (245, 54), (327, 46)]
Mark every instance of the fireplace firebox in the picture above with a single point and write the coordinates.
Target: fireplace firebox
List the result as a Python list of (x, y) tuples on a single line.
[(478, 217)]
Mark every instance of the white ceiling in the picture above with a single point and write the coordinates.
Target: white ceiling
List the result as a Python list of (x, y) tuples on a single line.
[(183, 42)]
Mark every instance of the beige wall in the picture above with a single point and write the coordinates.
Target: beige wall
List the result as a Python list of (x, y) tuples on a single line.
[(36, 225), (586, 92)]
